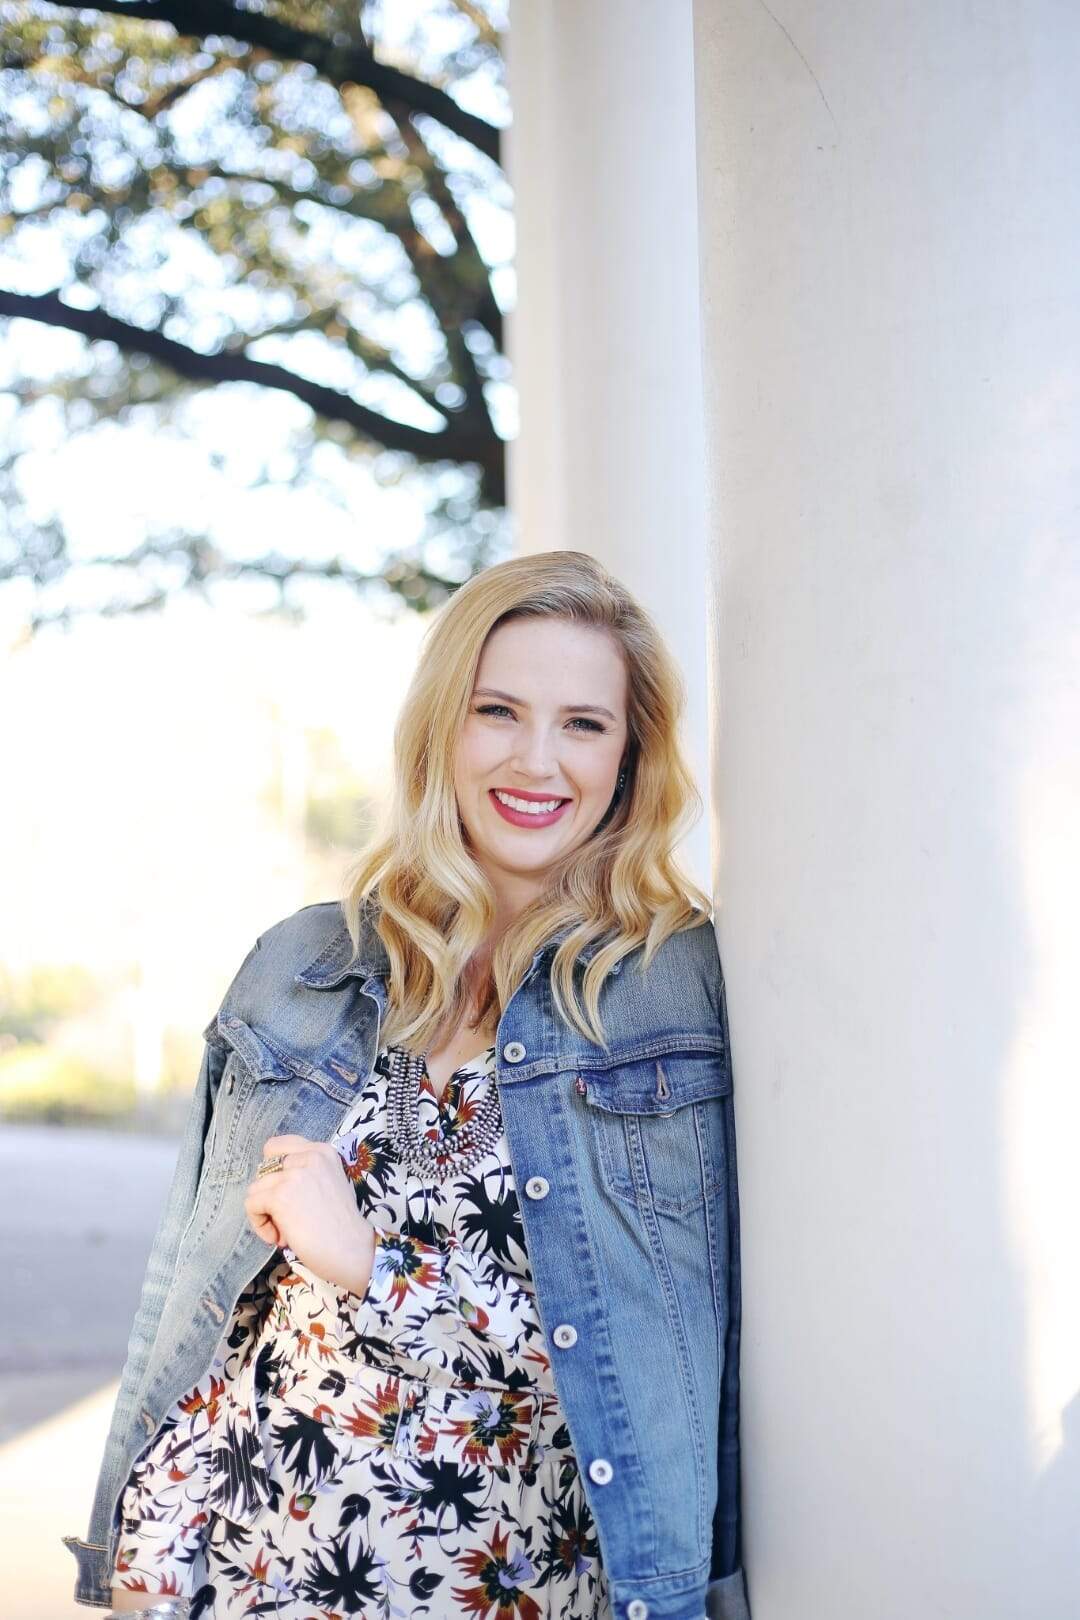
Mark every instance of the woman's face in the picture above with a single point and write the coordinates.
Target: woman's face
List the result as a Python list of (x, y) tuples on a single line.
[(546, 721)]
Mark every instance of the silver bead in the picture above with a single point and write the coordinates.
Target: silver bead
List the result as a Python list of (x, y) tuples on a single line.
[(418, 1154)]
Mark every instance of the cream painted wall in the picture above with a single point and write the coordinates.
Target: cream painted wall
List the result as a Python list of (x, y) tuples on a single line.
[(890, 225), (887, 253), (606, 341)]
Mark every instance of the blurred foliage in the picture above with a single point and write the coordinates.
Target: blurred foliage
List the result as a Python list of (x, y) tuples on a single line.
[(339, 820), (243, 199), (338, 813), (40, 1081), (31, 1002), (41, 1085)]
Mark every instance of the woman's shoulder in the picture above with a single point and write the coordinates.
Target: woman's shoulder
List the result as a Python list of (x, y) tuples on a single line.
[(685, 969), (296, 940), (310, 942)]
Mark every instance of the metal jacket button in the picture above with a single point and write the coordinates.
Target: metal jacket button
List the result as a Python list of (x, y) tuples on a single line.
[(513, 1051), (637, 1609), (565, 1335), (537, 1187), (600, 1471)]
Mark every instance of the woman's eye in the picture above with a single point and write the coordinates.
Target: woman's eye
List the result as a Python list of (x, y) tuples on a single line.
[(578, 720)]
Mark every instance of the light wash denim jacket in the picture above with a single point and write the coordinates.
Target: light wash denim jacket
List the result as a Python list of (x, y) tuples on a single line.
[(625, 1161)]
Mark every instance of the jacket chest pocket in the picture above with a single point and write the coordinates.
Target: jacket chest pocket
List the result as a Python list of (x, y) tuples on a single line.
[(239, 1104), (658, 1129), (267, 1091)]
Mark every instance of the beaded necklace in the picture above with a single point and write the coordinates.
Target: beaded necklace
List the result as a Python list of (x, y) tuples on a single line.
[(416, 1152)]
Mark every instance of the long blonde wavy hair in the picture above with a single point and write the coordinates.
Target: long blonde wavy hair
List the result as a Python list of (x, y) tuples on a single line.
[(417, 881)]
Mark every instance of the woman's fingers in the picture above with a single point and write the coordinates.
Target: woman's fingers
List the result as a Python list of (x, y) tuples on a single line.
[(301, 1201), (261, 1194), (291, 1144), (258, 1205), (264, 1227)]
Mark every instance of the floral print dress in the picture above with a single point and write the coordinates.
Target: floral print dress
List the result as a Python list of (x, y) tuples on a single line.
[(390, 1455)]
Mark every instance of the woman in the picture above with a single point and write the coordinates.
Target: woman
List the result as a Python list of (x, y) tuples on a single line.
[(432, 1398)]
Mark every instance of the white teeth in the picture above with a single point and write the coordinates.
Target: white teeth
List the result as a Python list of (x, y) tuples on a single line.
[(529, 806)]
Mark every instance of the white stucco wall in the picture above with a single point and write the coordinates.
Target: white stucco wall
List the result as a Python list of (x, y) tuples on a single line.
[(884, 465), (606, 340), (889, 230)]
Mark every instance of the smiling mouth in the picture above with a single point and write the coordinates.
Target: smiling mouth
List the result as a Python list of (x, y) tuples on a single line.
[(518, 817)]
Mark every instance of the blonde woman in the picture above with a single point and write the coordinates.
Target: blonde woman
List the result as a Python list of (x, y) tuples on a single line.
[(442, 1314)]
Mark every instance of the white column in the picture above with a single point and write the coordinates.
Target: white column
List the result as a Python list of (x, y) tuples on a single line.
[(890, 233), (606, 339)]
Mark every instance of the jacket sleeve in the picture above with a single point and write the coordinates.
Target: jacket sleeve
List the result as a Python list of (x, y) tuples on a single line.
[(726, 1596), (163, 1505), (173, 1221), (91, 1553)]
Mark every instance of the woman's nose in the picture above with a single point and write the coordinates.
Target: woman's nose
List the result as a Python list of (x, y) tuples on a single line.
[(536, 754)]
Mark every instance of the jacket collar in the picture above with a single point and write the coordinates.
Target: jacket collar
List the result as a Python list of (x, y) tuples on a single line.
[(337, 960)]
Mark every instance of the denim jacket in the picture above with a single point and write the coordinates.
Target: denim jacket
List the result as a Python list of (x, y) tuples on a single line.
[(626, 1163)]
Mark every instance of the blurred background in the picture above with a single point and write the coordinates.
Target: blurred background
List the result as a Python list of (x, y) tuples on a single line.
[(254, 403)]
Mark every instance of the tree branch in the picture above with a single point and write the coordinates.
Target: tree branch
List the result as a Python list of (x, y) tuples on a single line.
[(168, 98), (449, 444), (486, 32), (485, 310), (206, 564), (341, 64)]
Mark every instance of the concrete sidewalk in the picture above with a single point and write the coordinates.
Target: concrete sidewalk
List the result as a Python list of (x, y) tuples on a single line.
[(47, 1478)]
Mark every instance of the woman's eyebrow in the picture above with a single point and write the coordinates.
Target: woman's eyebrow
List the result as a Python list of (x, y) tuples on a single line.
[(566, 708)]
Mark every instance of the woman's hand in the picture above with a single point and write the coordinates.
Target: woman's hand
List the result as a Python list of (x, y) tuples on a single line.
[(309, 1204)]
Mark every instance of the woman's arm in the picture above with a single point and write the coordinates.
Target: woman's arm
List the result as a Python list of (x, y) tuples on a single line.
[(427, 1300)]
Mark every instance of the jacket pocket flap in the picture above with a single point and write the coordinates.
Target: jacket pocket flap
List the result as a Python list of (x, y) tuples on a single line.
[(258, 1053), (659, 1085)]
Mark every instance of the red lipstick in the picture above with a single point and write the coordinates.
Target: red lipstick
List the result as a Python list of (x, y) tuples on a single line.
[(527, 818)]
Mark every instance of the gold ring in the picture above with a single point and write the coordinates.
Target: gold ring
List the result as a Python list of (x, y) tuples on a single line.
[(277, 1162)]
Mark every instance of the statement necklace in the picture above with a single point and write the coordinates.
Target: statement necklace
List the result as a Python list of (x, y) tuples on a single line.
[(416, 1152)]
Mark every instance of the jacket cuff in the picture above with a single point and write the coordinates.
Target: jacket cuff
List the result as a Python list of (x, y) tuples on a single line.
[(406, 1279), (404, 1283), (726, 1598)]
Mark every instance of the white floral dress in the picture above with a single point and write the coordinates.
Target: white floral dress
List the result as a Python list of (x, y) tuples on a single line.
[(390, 1455)]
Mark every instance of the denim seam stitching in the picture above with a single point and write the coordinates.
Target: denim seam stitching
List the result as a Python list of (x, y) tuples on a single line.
[(678, 1327)]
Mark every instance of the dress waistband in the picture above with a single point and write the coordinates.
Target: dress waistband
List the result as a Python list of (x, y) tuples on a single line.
[(472, 1424), (413, 1417), (483, 1422)]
